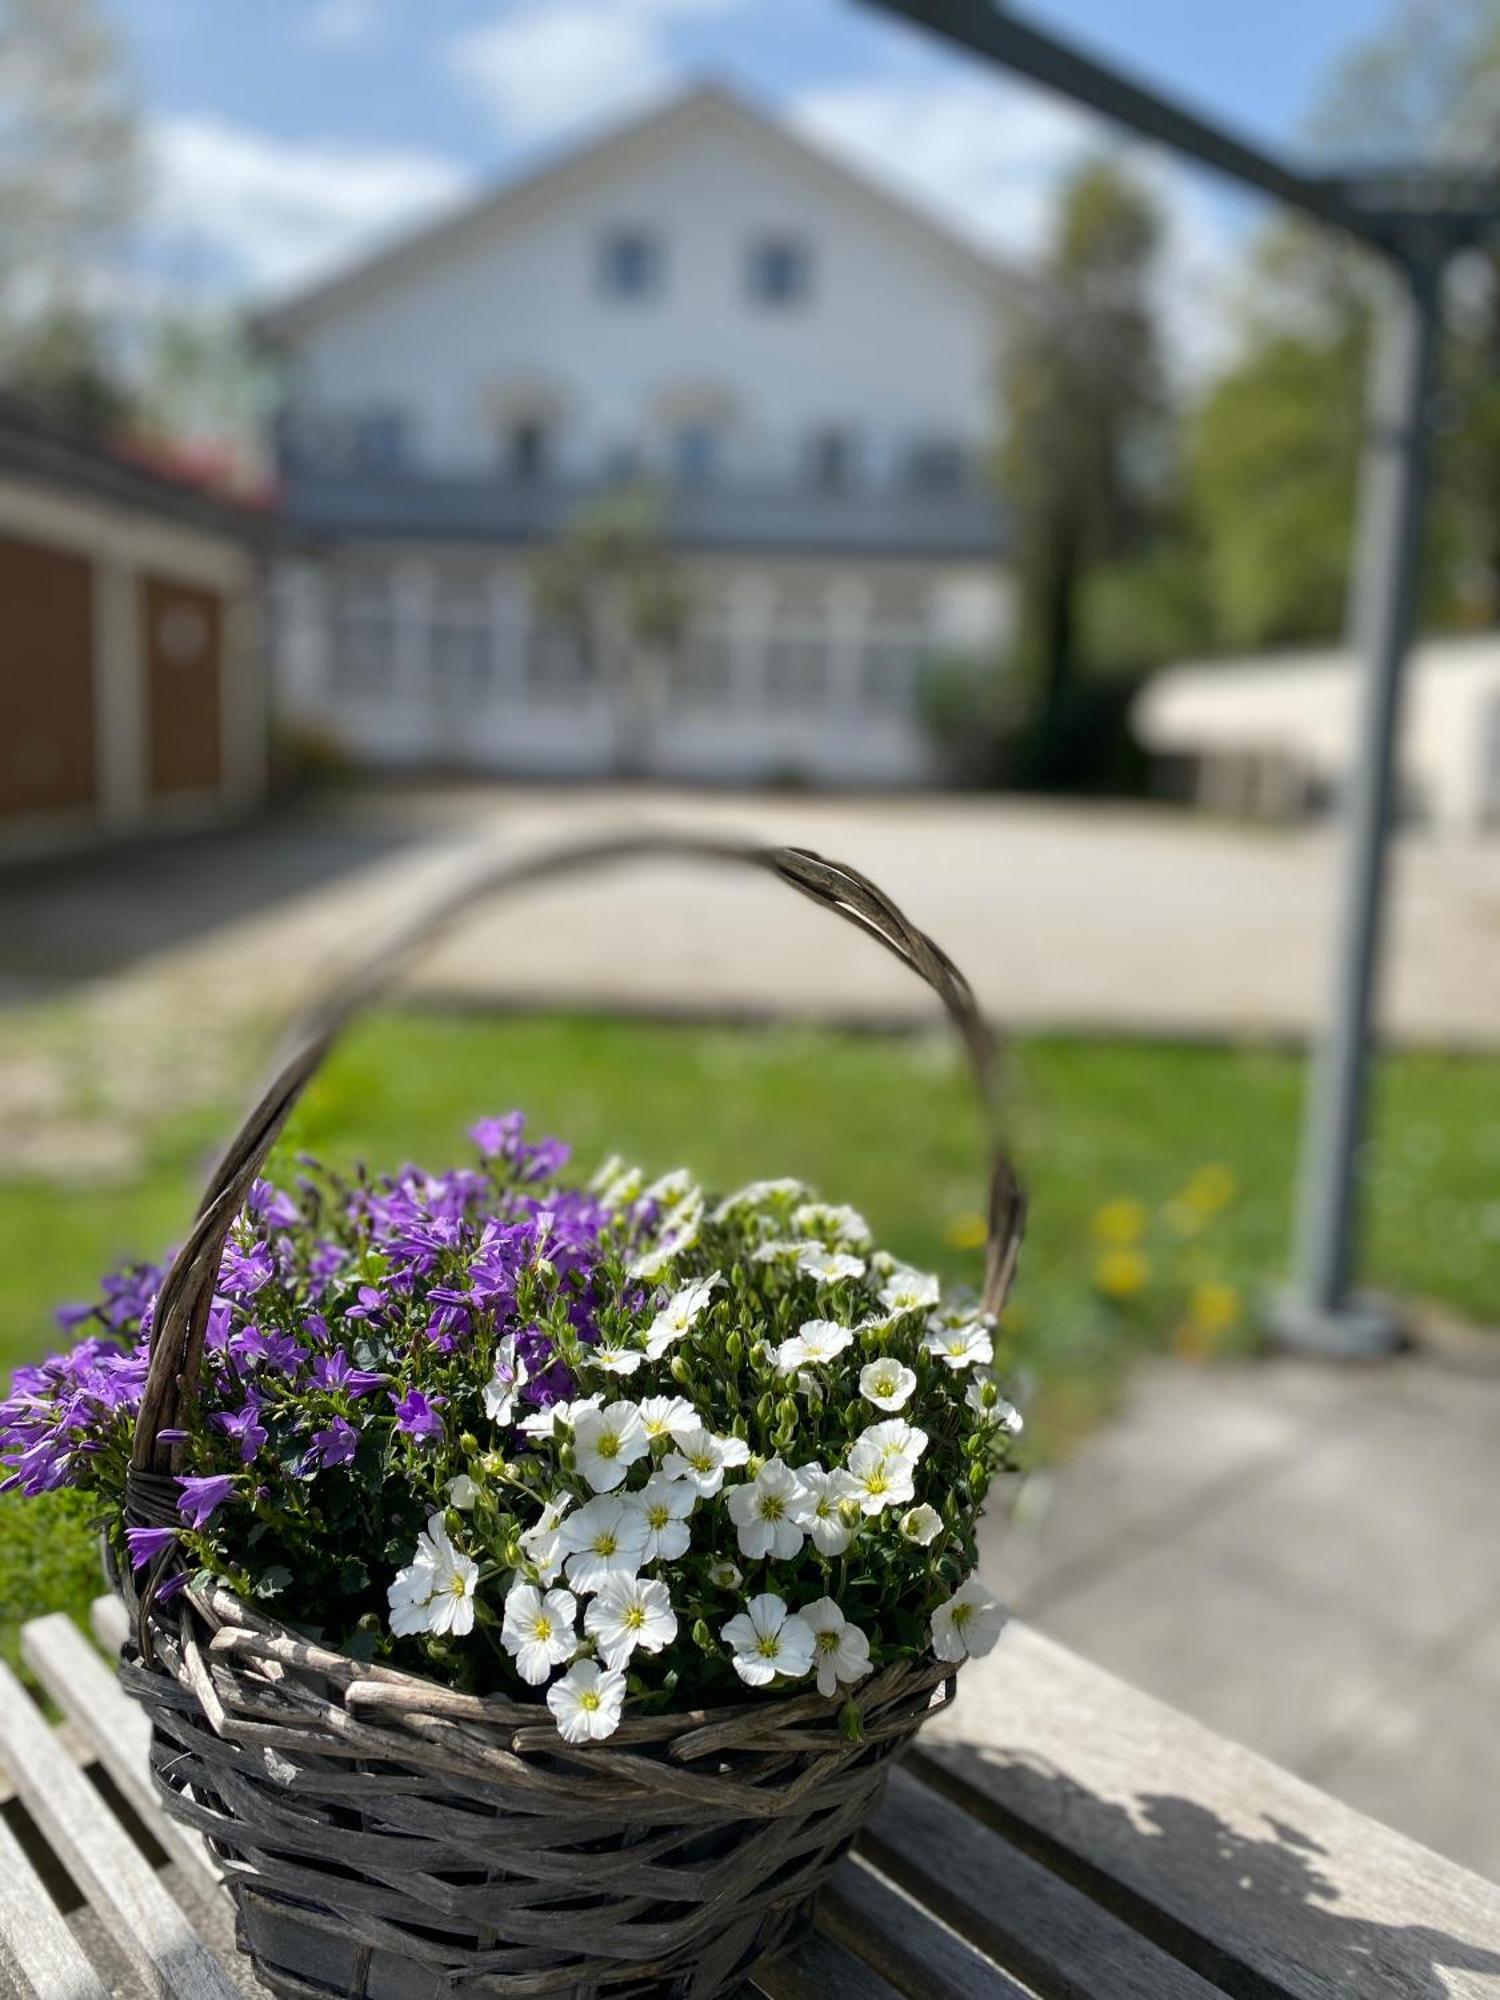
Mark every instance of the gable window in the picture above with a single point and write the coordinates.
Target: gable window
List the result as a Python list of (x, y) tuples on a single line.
[(695, 454), (632, 265), (778, 271), (380, 441), (526, 450), (936, 465), (832, 456)]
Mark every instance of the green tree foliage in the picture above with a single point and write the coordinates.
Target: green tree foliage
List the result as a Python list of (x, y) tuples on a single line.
[(1083, 459)]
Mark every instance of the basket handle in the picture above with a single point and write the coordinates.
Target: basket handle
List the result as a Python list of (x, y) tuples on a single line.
[(182, 1307)]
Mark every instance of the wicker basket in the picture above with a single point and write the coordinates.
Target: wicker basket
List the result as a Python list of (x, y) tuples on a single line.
[(389, 1838)]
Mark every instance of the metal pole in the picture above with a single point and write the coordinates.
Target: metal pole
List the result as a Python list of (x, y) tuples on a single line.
[(1320, 1314)]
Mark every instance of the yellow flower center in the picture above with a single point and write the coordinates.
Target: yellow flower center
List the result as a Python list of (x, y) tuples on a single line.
[(767, 1647), (605, 1544), (543, 1629), (772, 1507), (458, 1587), (828, 1642), (877, 1481), (635, 1617), (589, 1699), (608, 1445), (962, 1613), (658, 1516), (702, 1462)]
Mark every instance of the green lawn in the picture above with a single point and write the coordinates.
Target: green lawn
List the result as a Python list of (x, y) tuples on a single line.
[(887, 1124)]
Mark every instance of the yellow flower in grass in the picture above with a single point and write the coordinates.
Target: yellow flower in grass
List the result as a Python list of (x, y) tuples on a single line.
[(1213, 1307), (965, 1231), (1121, 1274), (1120, 1222), (1210, 1189)]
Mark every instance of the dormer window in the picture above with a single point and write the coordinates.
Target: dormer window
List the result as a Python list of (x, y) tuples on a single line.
[(632, 265), (778, 272)]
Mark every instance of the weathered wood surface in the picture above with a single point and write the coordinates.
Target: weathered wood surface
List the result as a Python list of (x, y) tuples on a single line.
[(1260, 1883), (1058, 1837)]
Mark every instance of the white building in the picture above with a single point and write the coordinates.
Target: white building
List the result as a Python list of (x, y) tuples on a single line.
[(1276, 734), (802, 367)]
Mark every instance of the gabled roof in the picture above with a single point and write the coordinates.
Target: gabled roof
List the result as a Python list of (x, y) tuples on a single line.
[(705, 105)]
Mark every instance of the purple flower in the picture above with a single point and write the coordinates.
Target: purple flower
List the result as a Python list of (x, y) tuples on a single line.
[(336, 1445), (266, 1203), (244, 1272), (416, 1416), (203, 1494), (497, 1137), (245, 1424), (146, 1544), (278, 1350), (335, 1371)]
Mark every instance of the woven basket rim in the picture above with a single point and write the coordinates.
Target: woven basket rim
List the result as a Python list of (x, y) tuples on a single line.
[(375, 1686)]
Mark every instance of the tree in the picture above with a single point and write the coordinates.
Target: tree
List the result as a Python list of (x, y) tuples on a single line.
[(67, 184), (609, 585), (1085, 413)]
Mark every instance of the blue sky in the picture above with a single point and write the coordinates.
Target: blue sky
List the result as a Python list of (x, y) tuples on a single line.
[(286, 136)]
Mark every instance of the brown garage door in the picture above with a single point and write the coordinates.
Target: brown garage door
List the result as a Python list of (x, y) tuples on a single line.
[(46, 680), (182, 646)]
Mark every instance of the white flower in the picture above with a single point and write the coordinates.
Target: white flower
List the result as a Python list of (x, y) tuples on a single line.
[(778, 1250), (544, 1423), (818, 1340), (607, 1537), (882, 1463), (509, 1374), (435, 1592), (960, 1346), (615, 1360), (462, 1492), (769, 1640), (540, 1540), (725, 1575), (666, 1504), (897, 1439), (763, 1512), (537, 1631), (841, 1651), (617, 1183), (607, 1442), (679, 1226), (702, 1458), (673, 1188), (586, 1702), (758, 1194), (909, 1291), (630, 1611), (968, 1624), (817, 1507), (667, 1416), (983, 1396), (922, 1525), (886, 1382), (825, 1266), (679, 1315), (841, 1226)]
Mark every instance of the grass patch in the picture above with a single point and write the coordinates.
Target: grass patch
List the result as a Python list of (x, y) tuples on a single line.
[(884, 1122)]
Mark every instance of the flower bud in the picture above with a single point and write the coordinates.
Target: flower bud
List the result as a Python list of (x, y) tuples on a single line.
[(468, 1444)]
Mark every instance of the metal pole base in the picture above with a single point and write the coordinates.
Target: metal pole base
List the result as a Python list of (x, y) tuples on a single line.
[(1362, 1328)]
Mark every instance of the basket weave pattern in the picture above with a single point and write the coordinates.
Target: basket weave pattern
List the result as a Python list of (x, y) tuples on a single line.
[(388, 1838)]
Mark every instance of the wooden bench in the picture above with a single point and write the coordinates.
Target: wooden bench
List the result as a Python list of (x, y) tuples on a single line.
[(1057, 1835)]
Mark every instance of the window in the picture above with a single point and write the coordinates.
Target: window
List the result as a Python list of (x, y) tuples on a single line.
[(936, 465), (779, 271), (459, 642), (701, 668), (831, 456), (631, 265), (364, 642), (557, 668), (527, 449), (380, 441), (695, 454)]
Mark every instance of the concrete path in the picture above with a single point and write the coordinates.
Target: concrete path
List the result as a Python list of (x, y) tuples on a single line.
[(1306, 1559)]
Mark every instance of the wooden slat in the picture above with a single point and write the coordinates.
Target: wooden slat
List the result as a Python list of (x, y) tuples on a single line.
[(819, 1969), (144, 1921), (1266, 1886), (1011, 1907), (117, 1730), (111, 1623), (870, 1917), (37, 1950)]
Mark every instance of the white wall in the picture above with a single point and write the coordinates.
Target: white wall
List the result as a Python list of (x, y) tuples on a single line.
[(897, 340)]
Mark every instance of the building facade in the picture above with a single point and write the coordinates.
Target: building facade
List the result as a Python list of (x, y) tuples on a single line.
[(798, 369), (133, 691)]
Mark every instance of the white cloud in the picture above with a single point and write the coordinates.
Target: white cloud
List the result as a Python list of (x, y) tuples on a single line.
[(548, 65), (988, 158), (232, 207), (345, 24)]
